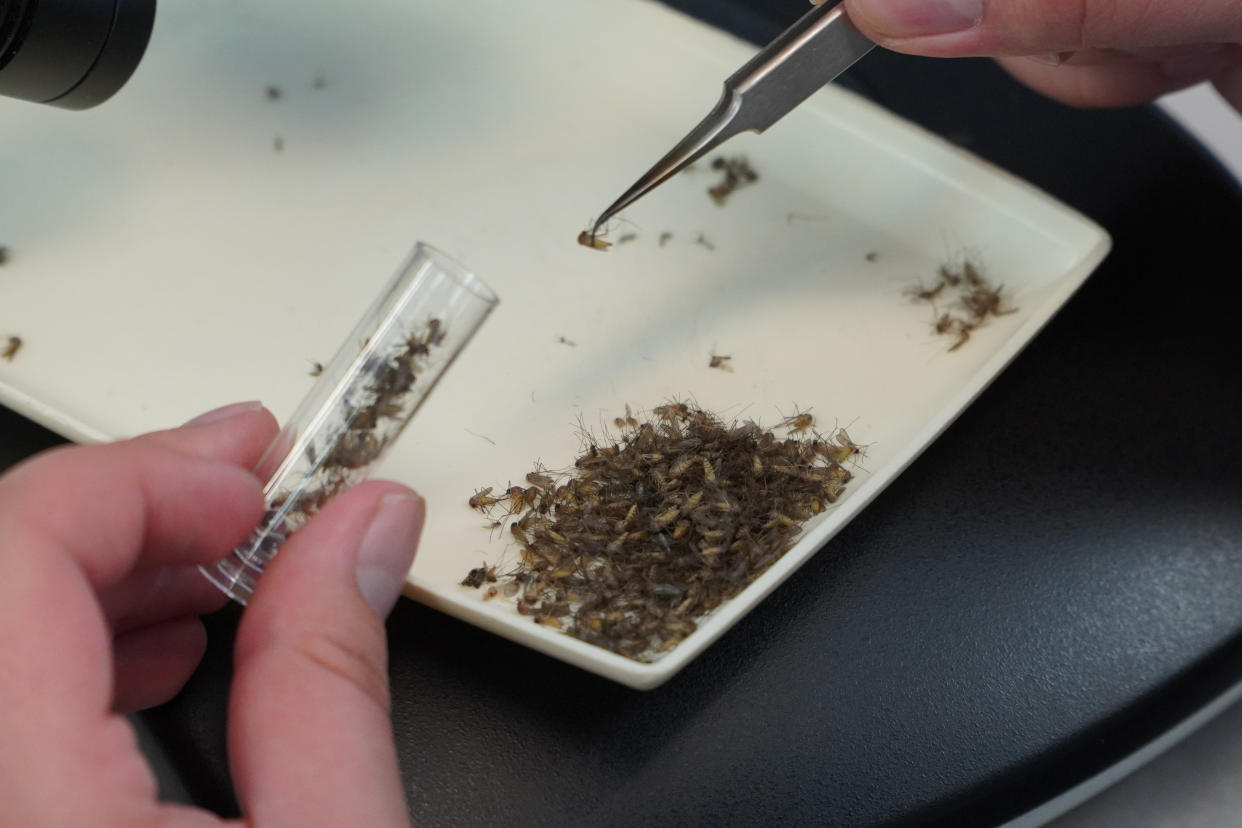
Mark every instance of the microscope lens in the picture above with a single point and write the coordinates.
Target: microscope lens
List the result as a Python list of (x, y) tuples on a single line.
[(71, 53)]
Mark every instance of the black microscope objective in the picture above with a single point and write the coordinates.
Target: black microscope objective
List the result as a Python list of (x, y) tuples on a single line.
[(71, 53)]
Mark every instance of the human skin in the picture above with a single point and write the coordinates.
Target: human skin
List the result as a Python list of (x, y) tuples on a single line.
[(1097, 53), (99, 615)]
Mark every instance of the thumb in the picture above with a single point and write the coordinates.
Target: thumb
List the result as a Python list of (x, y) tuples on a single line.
[(310, 740), (1229, 84), (959, 28)]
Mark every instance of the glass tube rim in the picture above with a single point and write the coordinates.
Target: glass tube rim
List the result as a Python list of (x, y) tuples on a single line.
[(456, 271)]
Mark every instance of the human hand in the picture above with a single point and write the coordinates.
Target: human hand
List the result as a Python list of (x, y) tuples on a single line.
[(98, 615), (1081, 52)]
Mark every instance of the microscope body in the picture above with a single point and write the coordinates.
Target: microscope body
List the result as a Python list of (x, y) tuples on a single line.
[(71, 53)]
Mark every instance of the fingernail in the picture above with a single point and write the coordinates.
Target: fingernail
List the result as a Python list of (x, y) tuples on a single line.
[(911, 18), (387, 550), (224, 412)]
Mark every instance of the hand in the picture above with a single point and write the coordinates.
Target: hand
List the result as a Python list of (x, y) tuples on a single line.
[(1082, 52), (99, 601)]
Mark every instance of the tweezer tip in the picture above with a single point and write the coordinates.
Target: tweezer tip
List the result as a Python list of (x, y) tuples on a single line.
[(713, 130)]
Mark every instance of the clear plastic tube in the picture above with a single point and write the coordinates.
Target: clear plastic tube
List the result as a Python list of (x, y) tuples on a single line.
[(362, 401)]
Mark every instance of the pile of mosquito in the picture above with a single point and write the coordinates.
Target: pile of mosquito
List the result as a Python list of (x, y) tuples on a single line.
[(646, 535), (976, 299), (375, 424)]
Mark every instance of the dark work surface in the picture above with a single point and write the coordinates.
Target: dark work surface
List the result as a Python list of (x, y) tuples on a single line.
[(1054, 582)]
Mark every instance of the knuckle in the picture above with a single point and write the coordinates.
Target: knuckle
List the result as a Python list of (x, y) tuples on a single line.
[(1036, 26), (1100, 21), (335, 654)]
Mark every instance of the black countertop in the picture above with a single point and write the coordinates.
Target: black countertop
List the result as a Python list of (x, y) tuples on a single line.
[(1056, 581)]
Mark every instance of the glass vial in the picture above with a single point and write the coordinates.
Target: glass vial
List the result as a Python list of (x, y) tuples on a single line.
[(364, 398)]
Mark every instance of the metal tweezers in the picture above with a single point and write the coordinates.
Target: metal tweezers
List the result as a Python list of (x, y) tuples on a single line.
[(807, 55)]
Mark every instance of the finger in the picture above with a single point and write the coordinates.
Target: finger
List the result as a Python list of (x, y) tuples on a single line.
[(310, 688), (1096, 84), (77, 519), (113, 507), (236, 434), (1228, 83), (155, 594), (141, 609), (74, 520), (153, 663), (1025, 27)]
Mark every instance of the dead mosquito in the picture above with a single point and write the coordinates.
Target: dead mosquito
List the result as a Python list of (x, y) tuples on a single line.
[(593, 239), (354, 450), (983, 301), (385, 404), (970, 273), (435, 332), (974, 294), (483, 499), (737, 174), (11, 347), (479, 575), (799, 422), (540, 481), (628, 421), (953, 326), (930, 294)]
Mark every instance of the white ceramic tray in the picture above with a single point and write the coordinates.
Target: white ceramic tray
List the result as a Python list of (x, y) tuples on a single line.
[(168, 259)]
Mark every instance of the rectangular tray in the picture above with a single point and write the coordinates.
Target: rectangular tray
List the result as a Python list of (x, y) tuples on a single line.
[(167, 258)]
